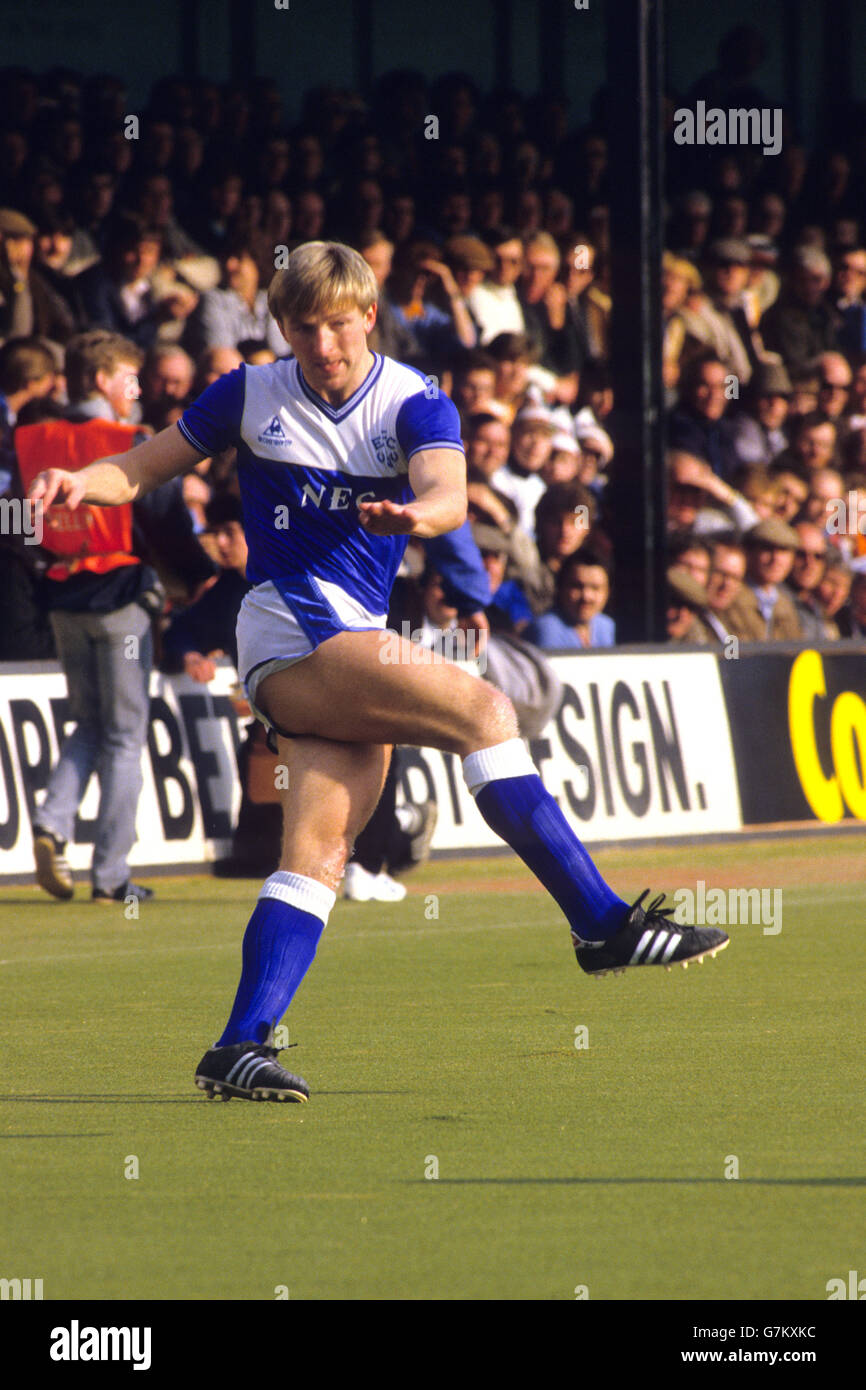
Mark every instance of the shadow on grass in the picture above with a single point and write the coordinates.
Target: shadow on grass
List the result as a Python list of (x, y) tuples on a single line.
[(629, 1182), (102, 1100), (122, 1098)]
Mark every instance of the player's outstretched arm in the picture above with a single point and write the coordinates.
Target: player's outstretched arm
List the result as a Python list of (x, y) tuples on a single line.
[(438, 478), (120, 478)]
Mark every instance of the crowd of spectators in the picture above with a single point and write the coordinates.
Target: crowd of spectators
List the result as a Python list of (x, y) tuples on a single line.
[(490, 245)]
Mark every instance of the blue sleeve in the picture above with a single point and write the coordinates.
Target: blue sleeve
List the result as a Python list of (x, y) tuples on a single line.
[(213, 422), (513, 601), (428, 422), (604, 631), (550, 633), (464, 579)]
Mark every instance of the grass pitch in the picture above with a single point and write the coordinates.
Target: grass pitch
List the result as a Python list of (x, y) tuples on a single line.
[(443, 1044)]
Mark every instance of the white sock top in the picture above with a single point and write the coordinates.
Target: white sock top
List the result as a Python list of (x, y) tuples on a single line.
[(298, 891), (508, 759)]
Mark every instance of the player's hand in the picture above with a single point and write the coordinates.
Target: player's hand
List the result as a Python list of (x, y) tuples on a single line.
[(55, 485), (443, 274), (477, 624), (199, 668), (689, 471), (178, 305), (482, 498), (388, 518)]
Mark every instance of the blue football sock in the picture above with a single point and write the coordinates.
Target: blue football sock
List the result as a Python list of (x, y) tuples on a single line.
[(279, 946), (512, 799)]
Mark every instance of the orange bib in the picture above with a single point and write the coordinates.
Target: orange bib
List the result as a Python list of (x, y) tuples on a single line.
[(98, 539)]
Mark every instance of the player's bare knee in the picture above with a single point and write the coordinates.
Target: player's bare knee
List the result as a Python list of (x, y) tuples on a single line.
[(494, 719)]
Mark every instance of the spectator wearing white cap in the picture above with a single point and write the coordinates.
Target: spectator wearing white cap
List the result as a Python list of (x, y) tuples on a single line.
[(564, 459), (596, 451), (520, 479)]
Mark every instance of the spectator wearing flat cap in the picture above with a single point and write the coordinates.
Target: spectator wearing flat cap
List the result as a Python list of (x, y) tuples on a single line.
[(763, 611), (758, 431), (722, 323), (802, 323), (508, 594), (494, 304), (687, 601), (469, 261), (764, 284), (28, 304)]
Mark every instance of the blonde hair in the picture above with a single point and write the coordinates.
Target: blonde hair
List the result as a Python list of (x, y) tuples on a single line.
[(321, 277), (96, 351), (545, 242)]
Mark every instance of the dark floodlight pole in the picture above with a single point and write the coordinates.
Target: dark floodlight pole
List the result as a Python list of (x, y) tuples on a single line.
[(242, 30), (634, 36)]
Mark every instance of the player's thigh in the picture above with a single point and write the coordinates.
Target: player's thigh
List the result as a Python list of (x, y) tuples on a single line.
[(330, 789), (376, 687)]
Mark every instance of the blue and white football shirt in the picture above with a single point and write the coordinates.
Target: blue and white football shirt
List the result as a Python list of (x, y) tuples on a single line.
[(304, 466)]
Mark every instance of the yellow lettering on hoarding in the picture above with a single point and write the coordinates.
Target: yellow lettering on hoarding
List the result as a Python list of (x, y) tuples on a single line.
[(847, 731), (807, 684)]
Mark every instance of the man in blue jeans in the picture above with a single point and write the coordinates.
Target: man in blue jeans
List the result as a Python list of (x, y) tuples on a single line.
[(101, 598), (108, 699)]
